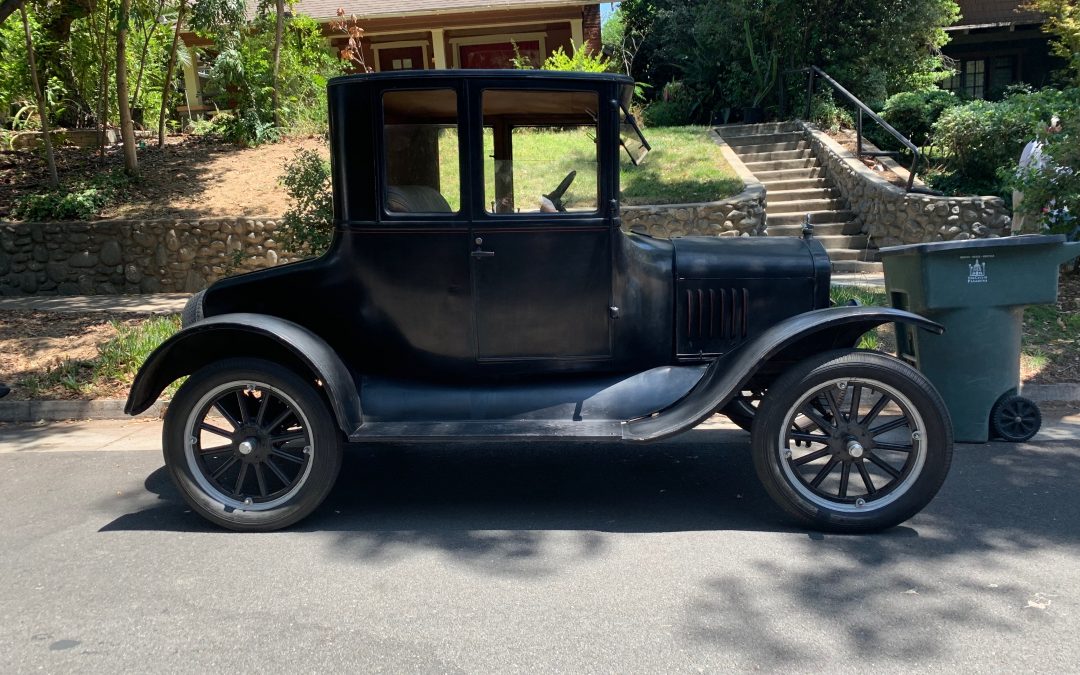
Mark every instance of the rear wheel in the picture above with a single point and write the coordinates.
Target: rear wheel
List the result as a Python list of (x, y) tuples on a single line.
[(742, 409), (852, 441), (251, 445)]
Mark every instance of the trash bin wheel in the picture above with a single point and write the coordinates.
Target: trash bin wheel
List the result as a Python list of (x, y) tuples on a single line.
[(852, 441), (1015, 419)]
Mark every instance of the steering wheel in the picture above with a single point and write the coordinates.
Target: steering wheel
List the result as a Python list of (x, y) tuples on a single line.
[(556, 195)]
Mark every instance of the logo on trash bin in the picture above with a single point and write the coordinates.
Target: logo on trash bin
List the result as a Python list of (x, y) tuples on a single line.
[(977, 272)]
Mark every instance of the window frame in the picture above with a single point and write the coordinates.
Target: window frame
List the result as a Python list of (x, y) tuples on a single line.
[(383, 213), (480, 172)]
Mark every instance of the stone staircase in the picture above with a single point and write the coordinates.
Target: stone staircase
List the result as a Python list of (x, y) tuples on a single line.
[(780, 157)]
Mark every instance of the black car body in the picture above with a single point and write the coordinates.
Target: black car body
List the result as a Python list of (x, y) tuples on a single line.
[(454, 304)]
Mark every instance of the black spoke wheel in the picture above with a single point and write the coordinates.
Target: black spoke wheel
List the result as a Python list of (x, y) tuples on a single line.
[(742, 409), (251, 445), (1015, 419), (852, 441)]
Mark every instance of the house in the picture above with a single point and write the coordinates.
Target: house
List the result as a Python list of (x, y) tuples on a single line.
[(428, 34), (997, 43)]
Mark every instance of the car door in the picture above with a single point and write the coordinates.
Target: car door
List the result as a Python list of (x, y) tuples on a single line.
[(541, 281)]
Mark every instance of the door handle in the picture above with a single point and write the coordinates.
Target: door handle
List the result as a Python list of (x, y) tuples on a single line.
[(478, 253)]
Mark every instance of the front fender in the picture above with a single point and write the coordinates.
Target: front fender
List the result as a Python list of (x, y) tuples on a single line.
[(240, 335), (809, 333)]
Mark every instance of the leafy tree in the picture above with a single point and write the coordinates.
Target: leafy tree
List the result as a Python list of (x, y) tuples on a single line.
[(1063, 22), (876, 47), (43, 112)]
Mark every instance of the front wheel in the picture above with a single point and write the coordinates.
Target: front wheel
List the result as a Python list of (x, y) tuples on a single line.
[(251, 445), (852, 441)]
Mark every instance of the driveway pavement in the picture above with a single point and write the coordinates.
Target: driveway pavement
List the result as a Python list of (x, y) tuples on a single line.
[(525, 558)]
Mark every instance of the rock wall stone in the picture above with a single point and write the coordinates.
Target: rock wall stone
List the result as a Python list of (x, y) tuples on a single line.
[(892, 216), (740, 216), (132, 256)]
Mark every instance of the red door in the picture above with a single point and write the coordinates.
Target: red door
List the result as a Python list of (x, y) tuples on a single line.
[(498, 54), (402, 58)]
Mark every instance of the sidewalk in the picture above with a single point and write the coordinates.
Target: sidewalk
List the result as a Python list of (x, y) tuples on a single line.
[(153, 303)]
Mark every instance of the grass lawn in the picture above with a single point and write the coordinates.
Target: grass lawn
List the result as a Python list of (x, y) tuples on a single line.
[(683, 166)]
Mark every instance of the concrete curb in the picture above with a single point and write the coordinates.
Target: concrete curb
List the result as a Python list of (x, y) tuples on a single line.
[(1068, 392), (58, 411), (113, 409)]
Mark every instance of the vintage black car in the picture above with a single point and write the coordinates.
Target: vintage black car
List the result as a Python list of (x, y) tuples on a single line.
[(463, 300)]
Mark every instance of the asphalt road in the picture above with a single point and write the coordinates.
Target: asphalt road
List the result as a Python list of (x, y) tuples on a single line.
[(525, 558)]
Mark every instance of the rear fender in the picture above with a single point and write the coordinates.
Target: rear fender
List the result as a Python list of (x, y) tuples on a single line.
[(248, 335), (793, 339)]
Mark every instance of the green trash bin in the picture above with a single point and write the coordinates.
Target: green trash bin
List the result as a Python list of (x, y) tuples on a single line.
[(977, 289)]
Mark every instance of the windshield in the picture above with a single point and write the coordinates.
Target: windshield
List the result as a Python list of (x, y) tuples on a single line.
[(633, 141)]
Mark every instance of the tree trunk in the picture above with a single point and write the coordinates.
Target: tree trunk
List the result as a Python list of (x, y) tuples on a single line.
[(103, 100), (50, 158), (147, 34), (127, 132), (279, 29), (167, 87)]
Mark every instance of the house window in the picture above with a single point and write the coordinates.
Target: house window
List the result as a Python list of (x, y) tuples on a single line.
[(982, 78), (498, 51), (974, 85), (420, 146), (540, 151)]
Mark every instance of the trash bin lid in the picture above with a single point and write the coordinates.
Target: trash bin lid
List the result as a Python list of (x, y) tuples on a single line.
[(997, 242)]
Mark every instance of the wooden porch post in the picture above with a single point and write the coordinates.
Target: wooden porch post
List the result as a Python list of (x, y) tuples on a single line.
[(438, 47)]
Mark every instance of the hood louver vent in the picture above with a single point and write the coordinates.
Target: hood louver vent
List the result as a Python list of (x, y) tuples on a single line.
[(711, 320)]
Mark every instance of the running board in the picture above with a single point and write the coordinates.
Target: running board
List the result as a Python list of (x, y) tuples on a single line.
[(490, 430)]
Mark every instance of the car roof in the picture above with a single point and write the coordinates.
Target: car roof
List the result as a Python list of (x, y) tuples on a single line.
[(506, 74)]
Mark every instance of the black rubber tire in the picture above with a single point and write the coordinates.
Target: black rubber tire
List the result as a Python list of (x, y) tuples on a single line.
[(193, 310), (326, 440), (803, 378), (1004, 423)]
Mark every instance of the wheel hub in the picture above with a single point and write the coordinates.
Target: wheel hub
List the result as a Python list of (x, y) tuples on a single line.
[(247, 446), (855, 449)]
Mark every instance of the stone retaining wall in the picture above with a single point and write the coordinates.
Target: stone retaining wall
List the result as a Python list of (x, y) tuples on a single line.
[(742, 215), (892, 216), (132, 256)]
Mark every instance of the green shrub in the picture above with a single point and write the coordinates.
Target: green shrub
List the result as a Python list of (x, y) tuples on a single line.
[(913, 113), (980, 138), (77, 201), (828, 114), (308, 223), (581, 59), (674, 108)]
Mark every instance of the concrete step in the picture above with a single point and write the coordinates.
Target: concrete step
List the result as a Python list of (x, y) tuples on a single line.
[(816, 217), (778, 196), (789, 174), (804, 206), (855, 254), (819, 230), (835, 241), (733, 130), (748, 157), (770, 147), (764, 139), (855, 266), (794, 184), (780, 164)]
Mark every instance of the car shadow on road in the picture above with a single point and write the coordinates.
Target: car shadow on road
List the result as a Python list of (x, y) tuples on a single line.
[(442, 492)]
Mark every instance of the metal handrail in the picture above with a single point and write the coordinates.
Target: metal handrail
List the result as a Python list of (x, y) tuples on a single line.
[(814, 72)]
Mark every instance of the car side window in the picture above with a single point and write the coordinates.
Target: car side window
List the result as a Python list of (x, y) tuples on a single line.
[(420, 141), (540, 151)]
